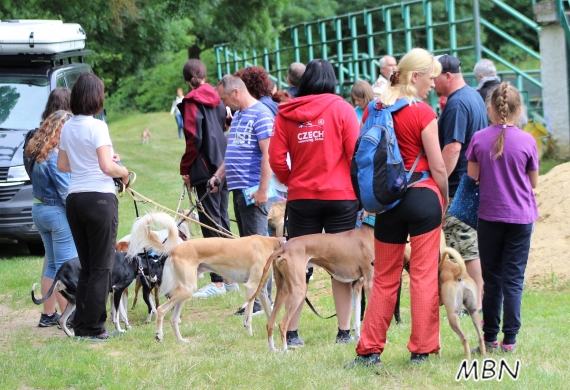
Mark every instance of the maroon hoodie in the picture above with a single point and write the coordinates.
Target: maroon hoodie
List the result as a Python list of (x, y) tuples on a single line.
[(320, 133), (204, 117)]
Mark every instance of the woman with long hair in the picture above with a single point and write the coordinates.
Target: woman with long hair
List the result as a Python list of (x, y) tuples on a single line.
[(86, 151), (417, 216), (504, 159), (319, 130), (49, 187)]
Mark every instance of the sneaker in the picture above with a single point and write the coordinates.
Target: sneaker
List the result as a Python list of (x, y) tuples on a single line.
[(293, 340), (48, 320), (463, 313), (231, 287), (417, 358), (490, 347), (365, 360), (508, 347), (344, 337), (209, 290), (257, 310)]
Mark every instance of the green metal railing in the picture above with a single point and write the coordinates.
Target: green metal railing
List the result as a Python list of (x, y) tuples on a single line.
[(354, 42)]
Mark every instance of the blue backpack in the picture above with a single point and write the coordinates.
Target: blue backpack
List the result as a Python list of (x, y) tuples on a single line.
[(377, 171)]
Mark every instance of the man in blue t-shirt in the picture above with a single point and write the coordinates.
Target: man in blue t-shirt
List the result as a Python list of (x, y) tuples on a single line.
[(463, 115), (246, 162)]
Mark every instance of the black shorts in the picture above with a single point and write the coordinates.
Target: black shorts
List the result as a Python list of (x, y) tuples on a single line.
[(418, 212)]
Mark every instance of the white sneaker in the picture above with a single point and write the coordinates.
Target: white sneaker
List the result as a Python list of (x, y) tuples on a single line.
[(209, 290), (232, 286)]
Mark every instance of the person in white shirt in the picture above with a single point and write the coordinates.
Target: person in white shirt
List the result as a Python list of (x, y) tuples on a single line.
[(86, 151), (388, 64)]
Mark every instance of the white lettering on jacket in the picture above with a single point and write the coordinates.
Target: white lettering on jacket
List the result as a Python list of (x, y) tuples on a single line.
[(313, 134)]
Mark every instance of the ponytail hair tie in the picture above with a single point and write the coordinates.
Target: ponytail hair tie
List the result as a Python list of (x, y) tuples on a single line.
[(504, 126), (394, 78)]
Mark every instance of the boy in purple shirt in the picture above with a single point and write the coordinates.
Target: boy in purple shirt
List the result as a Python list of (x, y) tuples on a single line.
[(504, 160)]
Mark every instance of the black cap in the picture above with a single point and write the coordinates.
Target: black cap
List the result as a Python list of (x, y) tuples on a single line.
[(449, 64)]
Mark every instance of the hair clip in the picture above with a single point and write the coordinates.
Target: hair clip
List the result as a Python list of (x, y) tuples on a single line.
[(394, 78), (504, 126)]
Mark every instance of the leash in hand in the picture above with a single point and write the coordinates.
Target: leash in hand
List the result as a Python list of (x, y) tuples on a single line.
[(119, 182)]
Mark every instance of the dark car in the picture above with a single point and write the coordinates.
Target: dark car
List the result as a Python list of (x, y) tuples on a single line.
[(25, 84)]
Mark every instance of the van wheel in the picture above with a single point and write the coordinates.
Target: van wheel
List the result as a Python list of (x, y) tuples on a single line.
[(36, 248)]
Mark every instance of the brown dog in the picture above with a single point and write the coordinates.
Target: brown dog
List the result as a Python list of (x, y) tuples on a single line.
[(275, 217), (457, 289), (146, 136), (346, 256), (241, 260)]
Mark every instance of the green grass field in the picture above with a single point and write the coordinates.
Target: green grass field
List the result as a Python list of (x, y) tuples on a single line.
[(220, 354)]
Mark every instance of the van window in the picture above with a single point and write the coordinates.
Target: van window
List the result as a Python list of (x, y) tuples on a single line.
[(22, 101), (71, 77), (60, 82)]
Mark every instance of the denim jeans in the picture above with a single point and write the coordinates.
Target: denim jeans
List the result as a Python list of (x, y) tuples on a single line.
[(251, 220), (180, 124), (52, 224)]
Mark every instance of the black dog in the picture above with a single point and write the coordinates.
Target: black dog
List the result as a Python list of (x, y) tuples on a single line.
[(125, 270)]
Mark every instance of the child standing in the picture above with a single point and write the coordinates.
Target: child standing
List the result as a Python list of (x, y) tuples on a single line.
[(504, 160)]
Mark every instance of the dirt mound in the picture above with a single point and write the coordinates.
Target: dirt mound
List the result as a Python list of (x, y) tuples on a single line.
[(550, 243)]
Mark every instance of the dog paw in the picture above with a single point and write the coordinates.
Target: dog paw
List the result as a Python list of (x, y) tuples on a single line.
[(158, 337), (184, 340)]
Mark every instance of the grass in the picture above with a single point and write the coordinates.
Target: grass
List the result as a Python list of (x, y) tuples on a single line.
[(220, 354)]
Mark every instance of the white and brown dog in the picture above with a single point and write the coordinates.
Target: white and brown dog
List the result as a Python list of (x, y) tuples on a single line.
[(241, 260), (146, 136)]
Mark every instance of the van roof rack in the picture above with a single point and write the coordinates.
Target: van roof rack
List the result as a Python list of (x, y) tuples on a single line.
[(53, 59)]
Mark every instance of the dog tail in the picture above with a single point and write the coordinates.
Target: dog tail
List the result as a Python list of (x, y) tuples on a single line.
[(447, 252), (48, 294), (272, 257), (142, 235)]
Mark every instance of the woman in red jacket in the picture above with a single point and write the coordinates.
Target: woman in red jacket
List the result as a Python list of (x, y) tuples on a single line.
[(319, 130)]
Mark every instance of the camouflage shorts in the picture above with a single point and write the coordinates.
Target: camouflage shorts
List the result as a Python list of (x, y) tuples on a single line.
[(460, 237)]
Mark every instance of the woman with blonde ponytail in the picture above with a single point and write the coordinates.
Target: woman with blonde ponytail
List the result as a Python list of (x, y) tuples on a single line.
[(504, 160), (418, 215)]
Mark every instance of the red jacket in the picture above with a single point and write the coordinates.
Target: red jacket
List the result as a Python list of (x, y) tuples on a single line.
[(319, 132), (204, 117)]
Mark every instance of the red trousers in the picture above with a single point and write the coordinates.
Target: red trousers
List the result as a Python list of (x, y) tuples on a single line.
[(388, 266)]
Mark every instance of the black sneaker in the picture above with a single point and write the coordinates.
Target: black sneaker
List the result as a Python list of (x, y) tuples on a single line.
[(344, 337), (257, 310), (293, 340), (48, 320), (419, 357), (366, 361)]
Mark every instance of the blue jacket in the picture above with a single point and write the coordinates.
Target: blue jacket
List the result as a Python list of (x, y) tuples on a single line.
[(48, 184)]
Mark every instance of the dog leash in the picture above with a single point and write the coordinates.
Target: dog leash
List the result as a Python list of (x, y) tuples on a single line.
[(138, 197), (315, 310)]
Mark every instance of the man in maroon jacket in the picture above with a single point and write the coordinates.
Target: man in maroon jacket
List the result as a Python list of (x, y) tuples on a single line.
[(204, 117)]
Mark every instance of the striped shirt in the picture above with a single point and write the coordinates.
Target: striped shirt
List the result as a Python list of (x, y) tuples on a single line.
[(243, 155)]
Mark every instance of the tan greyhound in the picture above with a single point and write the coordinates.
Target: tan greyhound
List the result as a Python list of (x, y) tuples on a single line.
[(346, 256), (241, 260)]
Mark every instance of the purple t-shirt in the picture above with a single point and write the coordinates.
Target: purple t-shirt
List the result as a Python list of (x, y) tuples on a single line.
[(504, 185)]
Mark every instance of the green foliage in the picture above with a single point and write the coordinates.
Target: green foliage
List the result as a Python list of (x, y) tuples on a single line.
[(155, 88)]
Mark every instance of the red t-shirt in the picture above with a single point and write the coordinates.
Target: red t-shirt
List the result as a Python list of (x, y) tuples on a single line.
[(409, 122)]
